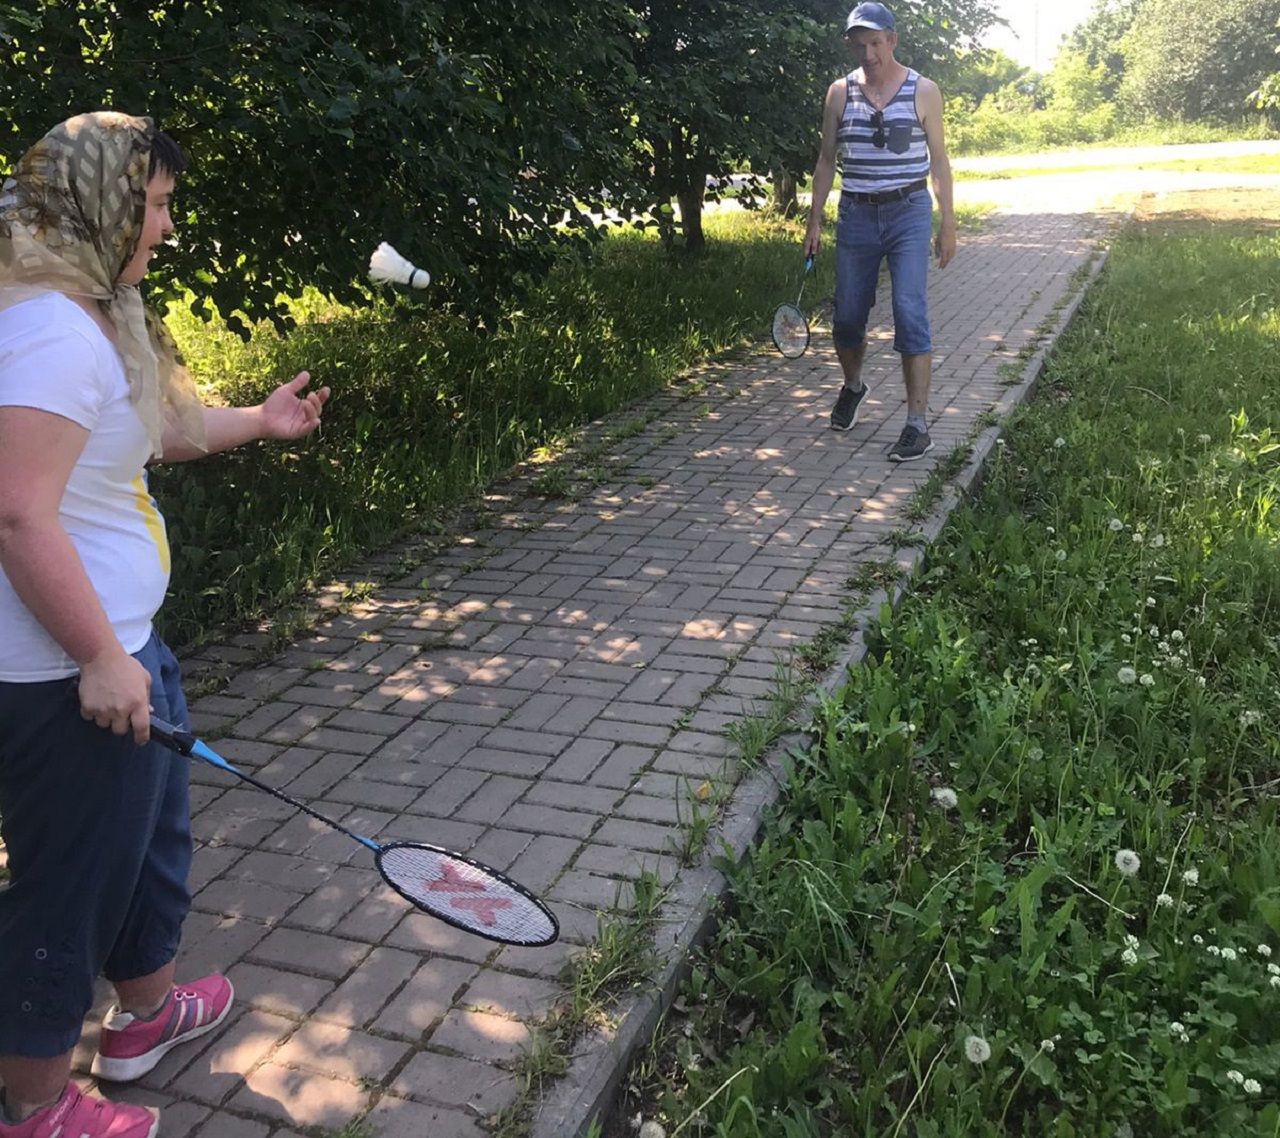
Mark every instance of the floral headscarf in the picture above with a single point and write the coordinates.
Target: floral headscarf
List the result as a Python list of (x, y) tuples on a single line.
[(70, 220)]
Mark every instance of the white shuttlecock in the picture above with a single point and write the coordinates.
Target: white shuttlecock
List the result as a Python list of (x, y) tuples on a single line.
[(388, 265)]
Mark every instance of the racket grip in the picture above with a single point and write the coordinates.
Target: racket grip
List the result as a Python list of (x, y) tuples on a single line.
[(172, 737), (808, 262)]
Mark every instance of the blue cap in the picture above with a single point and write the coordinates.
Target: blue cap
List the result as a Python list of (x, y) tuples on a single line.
[(874, 16)]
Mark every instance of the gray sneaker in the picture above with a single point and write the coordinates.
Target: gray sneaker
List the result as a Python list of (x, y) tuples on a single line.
[(844, 415), (912, 443)]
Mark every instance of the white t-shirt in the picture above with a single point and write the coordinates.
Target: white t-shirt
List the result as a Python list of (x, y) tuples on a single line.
[(53, 357)]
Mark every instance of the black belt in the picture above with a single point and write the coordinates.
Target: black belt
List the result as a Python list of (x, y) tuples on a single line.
[(887, 195)]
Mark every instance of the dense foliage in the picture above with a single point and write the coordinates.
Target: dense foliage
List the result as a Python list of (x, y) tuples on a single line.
[(480, 136)]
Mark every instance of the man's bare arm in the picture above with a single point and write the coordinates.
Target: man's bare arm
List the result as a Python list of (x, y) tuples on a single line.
[(824, 173), (929, 105)]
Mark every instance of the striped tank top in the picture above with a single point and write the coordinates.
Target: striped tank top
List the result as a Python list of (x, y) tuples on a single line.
[(902, 156)]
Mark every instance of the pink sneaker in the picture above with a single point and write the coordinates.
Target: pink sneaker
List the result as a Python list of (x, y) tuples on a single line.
[(128, 1048), (77, 1114)]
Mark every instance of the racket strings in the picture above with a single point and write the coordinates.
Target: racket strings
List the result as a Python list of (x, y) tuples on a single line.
[(790, 330), (465, 895)]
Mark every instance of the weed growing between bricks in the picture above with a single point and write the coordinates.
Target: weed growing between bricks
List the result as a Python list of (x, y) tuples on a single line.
[(619, 959)]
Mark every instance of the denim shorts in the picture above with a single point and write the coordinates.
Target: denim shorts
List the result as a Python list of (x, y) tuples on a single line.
[(866, 234), (98, 833)]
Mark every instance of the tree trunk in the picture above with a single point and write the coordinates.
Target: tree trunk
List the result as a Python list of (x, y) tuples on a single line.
[(690, 199), (784, 193)]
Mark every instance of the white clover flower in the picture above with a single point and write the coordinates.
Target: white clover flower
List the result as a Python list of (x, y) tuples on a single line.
[(1059, 442), (1126, 638), (1127, 862), (1164, 901), (1252, 1087), (1151, 603), (1235, 1077), (1202, 439), (1146, 679), (1047, 1045), (1131, 941), (1213, 950), (1153, 631), (1127, 675), (1115, 525), (1129, 956), (652, 1129), (945, 797), (1050, 530), (1124, 1130), (1250, 718), (1264, 950), (1200, 681), (976, 1049), (1197, 939), (1191, 876), (1274, 981), (1229, 954), (1273, 969), (1176, 636), (999, 442), (1138, 537), (1179, 1032)]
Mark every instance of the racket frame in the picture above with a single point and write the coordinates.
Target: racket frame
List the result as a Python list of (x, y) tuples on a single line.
[(488, 871), (795, 308), (187, 744)]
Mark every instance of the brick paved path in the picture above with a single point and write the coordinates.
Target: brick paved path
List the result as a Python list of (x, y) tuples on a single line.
[(544, 701)]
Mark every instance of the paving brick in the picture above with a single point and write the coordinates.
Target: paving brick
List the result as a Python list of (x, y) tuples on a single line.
[(623, 766), (637, 835), (400, 1118), (577, 761), (340, 1053), (246, 899), (296, 874), (464, 1083), (363, 994), (618, 861), (493, 799), (480, 1035), (311, 953), (508, 994), (375, 916), (549, 820), (220, 1068), (273, 990), (224, 1125), (427, 997), (423, 934), (300, 1098)]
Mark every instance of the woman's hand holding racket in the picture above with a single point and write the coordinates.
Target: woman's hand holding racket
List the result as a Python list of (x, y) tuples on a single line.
[(115, 693)]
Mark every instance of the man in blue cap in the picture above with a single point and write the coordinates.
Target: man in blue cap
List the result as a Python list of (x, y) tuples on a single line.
[(884, 122)]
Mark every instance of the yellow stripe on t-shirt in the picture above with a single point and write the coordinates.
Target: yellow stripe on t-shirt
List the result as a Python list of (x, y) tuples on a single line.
[(152, 520)]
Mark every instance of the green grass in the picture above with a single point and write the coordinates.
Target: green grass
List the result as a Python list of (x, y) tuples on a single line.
[(1088, 670), (1245, 164)]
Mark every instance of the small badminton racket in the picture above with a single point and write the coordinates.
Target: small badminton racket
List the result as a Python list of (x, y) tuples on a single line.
[(790, 328), (461, 892), (386, 266)]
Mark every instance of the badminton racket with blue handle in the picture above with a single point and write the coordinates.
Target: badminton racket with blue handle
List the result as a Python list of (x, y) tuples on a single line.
[(790, 327), (464, 893)]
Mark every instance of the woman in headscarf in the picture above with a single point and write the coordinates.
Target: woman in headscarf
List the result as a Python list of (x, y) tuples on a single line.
[(95, 818)]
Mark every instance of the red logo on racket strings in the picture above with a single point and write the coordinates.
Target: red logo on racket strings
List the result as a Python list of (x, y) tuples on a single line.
[(450, 881)]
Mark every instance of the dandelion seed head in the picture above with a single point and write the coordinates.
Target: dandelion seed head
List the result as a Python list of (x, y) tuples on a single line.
[(1202, 439), (976, 1049), (1146, 679), (1061, 555), (1177, 636), (1127, 862), (1115, 525), (1191, 876), (1059, 442), (1127, 675), (1158, 541), (945, 797)]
